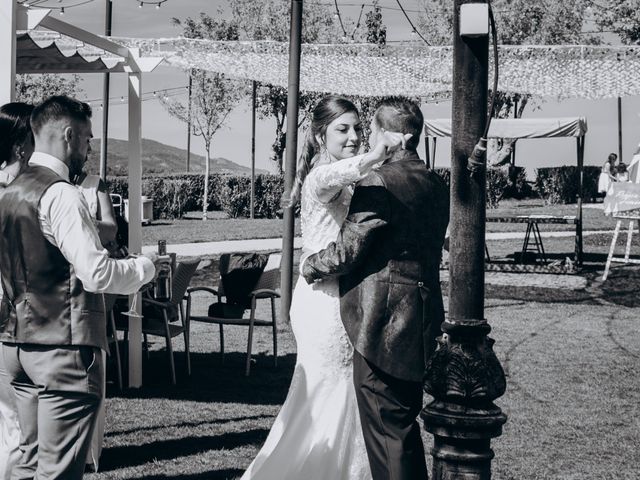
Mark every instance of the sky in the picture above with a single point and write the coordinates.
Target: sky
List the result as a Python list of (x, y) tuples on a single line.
[(233, 142)]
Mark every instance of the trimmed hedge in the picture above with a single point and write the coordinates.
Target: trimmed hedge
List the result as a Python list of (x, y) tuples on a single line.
[(174, 195), (560, 184)]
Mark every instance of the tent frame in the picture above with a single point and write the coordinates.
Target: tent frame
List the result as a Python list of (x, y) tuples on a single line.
[(580, 142)]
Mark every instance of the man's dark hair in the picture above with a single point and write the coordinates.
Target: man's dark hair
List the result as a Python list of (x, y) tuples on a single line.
[(57, 108), (401, 115)]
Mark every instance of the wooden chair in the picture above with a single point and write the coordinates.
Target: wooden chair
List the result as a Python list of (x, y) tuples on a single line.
[(266, 288), (167, 318)]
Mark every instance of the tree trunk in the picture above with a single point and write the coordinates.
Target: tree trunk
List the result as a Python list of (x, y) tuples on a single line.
[(207, 170)]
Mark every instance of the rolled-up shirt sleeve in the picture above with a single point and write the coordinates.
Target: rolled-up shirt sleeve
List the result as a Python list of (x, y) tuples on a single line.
[(66, 222)]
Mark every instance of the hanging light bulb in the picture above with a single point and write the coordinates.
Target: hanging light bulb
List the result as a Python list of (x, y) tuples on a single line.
[(155, 94), (140, 5), (158, 6), (122, 98), (336, 16), (62, 11), (414, 34)]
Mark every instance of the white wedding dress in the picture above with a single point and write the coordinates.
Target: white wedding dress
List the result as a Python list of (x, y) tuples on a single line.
[(317, 434)]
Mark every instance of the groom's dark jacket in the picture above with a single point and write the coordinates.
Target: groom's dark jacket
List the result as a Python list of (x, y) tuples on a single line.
[(387, 255)]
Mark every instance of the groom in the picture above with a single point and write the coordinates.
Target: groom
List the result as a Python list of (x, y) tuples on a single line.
[(387, 256)]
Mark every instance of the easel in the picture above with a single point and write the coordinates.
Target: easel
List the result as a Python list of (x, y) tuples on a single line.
[(632, 217)]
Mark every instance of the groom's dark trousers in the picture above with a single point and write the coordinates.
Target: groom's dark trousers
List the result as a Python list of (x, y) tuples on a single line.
[(387, 255), (388, 408)]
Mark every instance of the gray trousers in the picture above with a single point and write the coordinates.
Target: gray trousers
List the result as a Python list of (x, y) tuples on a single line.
[(58, 391)]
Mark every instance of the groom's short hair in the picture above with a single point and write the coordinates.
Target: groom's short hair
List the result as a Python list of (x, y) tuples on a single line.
[(402, 115)]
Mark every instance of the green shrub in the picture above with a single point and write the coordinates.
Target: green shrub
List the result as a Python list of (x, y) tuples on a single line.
[(560, 184), (174, 195), (497, 181)]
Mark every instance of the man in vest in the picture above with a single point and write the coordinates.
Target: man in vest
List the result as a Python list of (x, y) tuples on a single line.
[(54, 271)]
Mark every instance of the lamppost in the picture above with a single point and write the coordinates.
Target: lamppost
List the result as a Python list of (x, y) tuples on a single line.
[(464, 375)]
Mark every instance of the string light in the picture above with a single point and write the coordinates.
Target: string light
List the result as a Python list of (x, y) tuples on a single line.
[(43, 4), (156, 3), (337, 15), (413, 27), (119, 100)]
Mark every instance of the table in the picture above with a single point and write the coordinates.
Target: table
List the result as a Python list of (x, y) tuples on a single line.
[(532, 238)]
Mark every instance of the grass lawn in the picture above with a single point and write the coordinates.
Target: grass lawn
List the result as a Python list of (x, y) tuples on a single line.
[(573, 400), (218, 227)]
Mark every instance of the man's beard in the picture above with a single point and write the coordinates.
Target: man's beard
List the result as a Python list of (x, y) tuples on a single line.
[(75, 168)]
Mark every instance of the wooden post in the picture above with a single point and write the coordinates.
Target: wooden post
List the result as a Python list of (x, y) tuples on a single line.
[(104, 140), (580, 151), (135, 218), (8, 12), (189, 123), (254, 87), (291, 151), (464, 376), (619, 129)]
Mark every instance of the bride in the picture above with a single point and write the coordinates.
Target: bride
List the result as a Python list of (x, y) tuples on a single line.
[(317, 434)]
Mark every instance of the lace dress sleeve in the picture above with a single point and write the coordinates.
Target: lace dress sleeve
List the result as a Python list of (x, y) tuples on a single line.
[(326, 181)]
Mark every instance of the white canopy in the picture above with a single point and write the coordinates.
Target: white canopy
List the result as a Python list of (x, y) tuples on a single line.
[(517, 127)]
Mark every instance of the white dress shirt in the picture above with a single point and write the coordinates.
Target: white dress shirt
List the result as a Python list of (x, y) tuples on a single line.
[(66, 223)]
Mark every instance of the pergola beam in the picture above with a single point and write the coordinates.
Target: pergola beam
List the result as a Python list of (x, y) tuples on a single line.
[(8, 16)]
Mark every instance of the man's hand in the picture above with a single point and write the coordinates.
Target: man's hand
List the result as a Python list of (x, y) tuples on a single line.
[(307, 272)]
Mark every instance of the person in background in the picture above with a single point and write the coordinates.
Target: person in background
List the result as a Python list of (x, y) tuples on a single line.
[(16, 147), (608, 173), (16, 140), (622, 174), (94, 191), (54, 269)]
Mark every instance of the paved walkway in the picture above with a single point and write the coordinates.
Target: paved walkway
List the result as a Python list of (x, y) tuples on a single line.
[(263, 244)]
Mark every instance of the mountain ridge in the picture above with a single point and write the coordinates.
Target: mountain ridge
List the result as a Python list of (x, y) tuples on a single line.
[(158, 157)]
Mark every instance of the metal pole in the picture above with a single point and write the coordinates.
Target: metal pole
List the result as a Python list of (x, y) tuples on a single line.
[(464, 375), (105, 97), (254, 87), (513, 145), (291, 151), (619, 129), (189, 123)]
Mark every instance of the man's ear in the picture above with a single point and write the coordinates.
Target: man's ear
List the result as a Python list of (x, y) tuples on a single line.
[(68, 134)]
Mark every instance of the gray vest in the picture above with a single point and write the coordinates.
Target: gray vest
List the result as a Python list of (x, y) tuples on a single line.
[(44, 302)]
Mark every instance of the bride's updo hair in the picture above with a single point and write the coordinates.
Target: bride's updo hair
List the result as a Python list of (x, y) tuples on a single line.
[(325, 112)]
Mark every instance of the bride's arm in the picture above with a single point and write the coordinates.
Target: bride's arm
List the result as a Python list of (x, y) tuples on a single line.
[(327, 180)]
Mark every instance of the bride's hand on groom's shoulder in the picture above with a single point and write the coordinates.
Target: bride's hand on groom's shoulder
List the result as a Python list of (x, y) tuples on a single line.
[(387, 143)]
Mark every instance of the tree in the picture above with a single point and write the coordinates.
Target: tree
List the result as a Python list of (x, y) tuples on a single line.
[(621, 17), (269, 20), (35, 88), (376, 30), (213, 95), (519, 22)]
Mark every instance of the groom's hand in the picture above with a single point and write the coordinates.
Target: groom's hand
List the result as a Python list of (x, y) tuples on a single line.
[(308, 271)]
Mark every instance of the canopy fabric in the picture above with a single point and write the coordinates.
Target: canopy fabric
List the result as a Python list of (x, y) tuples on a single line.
[(564, 71), (39, 51), (517, 127)]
